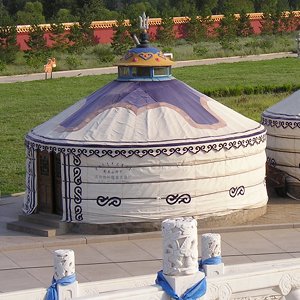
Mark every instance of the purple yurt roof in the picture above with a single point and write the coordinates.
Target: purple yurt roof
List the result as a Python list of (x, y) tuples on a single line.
[(132, 113)]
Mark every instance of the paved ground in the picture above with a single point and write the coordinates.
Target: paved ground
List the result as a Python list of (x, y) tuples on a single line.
[(26, 261), (112, 70)]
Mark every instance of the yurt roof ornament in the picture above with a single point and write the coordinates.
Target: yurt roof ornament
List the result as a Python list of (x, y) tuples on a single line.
[(151, 62), (144, 148)]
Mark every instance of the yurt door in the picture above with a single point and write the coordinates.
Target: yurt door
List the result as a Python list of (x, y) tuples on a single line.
[(57, 184), (44, 182)]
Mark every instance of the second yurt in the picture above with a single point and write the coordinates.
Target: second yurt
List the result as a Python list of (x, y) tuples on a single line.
[(282, 122)]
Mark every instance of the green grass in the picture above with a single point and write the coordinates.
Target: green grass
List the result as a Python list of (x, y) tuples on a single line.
[(210, 78), (28, 104), (252, 106)]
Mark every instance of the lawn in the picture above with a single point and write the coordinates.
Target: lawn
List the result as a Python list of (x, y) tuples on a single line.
[(25, 105)]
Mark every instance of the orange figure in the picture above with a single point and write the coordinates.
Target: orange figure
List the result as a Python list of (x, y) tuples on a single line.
[(49, 66)]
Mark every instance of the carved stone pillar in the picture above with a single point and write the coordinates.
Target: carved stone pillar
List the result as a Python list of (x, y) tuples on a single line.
[(211, 250), (289, 286), (180, 253), (64, 265)]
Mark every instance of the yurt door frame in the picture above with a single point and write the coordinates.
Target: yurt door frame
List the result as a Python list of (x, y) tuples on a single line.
[(49, 183)]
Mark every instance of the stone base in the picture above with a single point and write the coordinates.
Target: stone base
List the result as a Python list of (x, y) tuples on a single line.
[(182, 283), (235, 218), (214, 270)]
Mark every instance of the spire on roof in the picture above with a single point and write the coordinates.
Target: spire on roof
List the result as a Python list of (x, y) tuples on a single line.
[(143, 42)]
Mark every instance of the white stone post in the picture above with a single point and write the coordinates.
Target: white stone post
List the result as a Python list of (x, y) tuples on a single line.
[(180, 253), (64, 265), (211, 247)]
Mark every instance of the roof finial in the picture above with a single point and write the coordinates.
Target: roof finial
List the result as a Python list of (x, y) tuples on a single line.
[(144, 21), (144, 25)]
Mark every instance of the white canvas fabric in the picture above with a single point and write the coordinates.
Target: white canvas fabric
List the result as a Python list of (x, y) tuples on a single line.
[(282, 122), (128, 163)]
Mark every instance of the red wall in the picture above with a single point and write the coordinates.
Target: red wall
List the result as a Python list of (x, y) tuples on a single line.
[(103, 30)]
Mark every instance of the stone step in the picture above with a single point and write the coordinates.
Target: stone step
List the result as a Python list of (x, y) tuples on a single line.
[(32, 228), (47, 220)]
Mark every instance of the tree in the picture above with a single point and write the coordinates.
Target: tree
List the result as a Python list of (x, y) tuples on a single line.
[(132, 11), (244, 27), (37, 54), (5, 18), (63, 16), (8, 37), (294, 4), (81, 36), (13, 6), (165, 32), (94, 10), (283, 5), (206, 7), (58, 37), (237, 6), (31, 14), (197, 28), (121, 41), (227, 31)]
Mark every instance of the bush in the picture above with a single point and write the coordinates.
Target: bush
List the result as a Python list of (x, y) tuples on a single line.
[(35, 60), (103, 53), (73, 61), (199, 50), (8, 44), (167, 49), (263, 43), (2, 65)]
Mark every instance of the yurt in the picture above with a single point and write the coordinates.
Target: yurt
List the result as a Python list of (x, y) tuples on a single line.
[(143, 148), (282, 122)]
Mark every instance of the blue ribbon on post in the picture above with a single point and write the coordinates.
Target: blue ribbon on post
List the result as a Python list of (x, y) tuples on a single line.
[(193, 293), (197, 290), (52, 290), (210, 261)]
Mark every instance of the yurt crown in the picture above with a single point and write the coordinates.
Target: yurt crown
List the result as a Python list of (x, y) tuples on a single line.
[(144, 62)]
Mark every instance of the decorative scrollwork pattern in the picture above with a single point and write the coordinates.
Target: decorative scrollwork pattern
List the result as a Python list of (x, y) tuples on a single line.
[(78, 213), (176, 198), (77, 194), (76, 160), (77, 175), (77, 188), (110, 201), (235, 191), (292, 124), (141, 152)]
